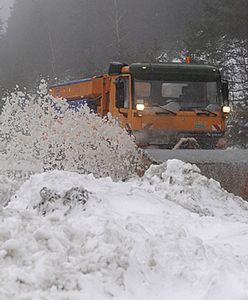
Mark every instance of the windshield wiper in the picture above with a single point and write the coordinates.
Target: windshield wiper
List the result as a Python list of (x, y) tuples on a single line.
[(206, 111), (167, 110)]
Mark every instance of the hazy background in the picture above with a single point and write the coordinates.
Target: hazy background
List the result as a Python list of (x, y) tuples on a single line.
[(67, 39), (5, 8)]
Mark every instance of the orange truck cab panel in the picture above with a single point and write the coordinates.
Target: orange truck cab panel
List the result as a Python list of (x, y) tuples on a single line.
[(158, 103)]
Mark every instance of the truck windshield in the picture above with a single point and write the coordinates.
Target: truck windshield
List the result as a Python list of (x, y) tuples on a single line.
[(188, 95)]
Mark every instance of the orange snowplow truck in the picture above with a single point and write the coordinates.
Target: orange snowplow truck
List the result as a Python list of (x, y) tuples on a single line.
[(159, 103)]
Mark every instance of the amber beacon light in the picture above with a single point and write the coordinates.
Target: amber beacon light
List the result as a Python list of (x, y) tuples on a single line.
[(188, 60)]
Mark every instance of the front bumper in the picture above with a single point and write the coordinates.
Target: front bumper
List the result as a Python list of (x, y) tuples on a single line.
[(161, 139)]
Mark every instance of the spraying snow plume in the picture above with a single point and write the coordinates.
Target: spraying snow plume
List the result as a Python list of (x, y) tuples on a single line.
[(39, 128)]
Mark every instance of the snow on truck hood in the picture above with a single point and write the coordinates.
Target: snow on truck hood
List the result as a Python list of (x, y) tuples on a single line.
[(172, 234)]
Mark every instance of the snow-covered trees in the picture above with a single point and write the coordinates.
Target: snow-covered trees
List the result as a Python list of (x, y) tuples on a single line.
[(72, 39), (220, 38)]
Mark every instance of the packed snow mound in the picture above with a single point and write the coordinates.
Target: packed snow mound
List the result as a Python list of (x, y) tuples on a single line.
[(51, 134), (172, 234), (183, 184)]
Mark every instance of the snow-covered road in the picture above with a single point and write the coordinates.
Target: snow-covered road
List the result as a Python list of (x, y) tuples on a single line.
[(172, 234)]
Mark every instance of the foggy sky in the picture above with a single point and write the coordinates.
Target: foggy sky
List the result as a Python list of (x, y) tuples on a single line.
[(4, 8)]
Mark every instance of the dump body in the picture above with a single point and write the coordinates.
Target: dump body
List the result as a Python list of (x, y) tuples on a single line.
[(158, 103)]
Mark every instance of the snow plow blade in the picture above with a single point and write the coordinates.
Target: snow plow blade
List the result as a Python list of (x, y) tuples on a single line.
[(229, 167)]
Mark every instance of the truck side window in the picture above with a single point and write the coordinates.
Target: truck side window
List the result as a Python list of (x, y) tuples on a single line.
[(122, 92)]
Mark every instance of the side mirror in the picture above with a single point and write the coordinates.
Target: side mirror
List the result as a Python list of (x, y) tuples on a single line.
[(119, 94), (225, 92)]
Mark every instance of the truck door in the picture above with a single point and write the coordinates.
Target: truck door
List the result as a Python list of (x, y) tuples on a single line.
[(122, 99)]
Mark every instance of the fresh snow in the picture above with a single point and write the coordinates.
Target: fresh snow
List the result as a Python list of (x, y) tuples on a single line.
[(39, 132), (172, 234)]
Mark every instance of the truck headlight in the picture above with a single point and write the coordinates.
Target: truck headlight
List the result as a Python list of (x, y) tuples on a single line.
[(226, 109), (140, 106)]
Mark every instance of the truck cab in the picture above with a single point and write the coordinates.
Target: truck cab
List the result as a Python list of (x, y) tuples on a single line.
[(162, 103)]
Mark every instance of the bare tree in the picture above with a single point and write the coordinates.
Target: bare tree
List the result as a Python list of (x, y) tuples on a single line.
[(117, 26)]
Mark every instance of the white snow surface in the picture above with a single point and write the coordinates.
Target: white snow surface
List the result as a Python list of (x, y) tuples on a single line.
[(172, 234)]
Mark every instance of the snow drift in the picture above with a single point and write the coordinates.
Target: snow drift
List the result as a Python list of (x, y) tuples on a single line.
[(172, 234)]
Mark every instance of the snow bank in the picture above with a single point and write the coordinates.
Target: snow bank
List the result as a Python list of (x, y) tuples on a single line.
[(172, 234), (182, 183)]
